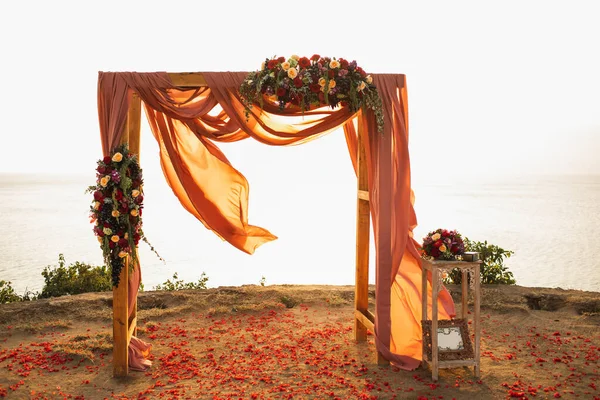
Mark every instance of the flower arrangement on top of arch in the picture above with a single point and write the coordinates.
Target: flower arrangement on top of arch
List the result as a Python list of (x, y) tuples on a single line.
[(312, 83)]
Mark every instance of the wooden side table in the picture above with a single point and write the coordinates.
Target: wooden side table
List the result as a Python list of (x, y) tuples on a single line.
[(436, 267)]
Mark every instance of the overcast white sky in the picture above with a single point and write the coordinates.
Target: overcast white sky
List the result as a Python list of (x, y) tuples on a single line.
[(496, 87)]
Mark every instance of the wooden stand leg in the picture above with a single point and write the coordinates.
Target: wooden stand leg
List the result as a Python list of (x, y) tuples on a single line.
[(477, 322), (434, 325), (465, 294)]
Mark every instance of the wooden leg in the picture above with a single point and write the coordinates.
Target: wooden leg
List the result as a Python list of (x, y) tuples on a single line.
[(465, 294), (434, 324), (476, 321)]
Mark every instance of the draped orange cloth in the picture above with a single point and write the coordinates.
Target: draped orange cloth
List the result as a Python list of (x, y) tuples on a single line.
[(187, 123)]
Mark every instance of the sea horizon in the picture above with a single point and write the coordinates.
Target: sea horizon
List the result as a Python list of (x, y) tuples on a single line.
[(548, 221)]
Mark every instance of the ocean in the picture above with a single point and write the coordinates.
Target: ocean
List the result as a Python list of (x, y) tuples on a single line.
[(551, 223)]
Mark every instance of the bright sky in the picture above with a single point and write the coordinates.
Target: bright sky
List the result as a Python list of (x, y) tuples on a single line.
[(494, 88)]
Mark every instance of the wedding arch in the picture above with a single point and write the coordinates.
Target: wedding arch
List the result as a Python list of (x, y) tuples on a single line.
[(188, 112)]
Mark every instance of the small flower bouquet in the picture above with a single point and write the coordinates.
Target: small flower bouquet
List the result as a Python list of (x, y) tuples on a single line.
[(443, 244), (312, 82), (116, 210)]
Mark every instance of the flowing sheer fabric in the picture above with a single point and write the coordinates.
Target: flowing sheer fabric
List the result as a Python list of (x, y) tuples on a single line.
[(187, 122)]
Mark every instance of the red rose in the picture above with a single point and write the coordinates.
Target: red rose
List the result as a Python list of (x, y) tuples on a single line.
[(315, 88), (435, 252), (101, 169), (438, 243), (281, 59), (361, 71), (298, 82), (315, 57), (272, 64), (106, 160), (123, 243), (343, 63), (445, 233), (321, 97), (98, 196), (140, 211), (118, 194), (139, 199), (111, 244), (454, 249), (281, 92), (304, 62), (331, 73)]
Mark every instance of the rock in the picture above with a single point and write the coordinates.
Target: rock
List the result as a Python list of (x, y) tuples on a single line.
[(546, 302)]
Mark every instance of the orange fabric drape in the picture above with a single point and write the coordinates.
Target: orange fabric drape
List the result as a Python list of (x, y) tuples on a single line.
[(187, 122)]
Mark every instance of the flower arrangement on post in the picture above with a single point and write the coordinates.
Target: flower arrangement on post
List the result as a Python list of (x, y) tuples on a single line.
[(443, 244), (116, 210), (312, 82)]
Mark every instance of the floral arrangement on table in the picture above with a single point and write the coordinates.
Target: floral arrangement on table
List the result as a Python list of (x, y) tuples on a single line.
[(116, 210), (310, 83), (443, 244)]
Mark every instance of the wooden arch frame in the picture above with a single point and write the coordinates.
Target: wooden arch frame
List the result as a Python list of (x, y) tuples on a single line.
[(124, 326)]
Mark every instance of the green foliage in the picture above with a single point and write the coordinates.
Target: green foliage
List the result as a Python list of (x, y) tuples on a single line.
[(7, 293), (74, 279), (493, 270), (178, 284), (262, 281)]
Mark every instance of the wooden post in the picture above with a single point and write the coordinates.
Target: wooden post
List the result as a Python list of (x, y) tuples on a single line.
[(363, 226), (120, 324), (122, 329), (134, 122)]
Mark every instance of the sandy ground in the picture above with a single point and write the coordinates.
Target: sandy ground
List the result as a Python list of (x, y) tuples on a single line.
[(278, 342)]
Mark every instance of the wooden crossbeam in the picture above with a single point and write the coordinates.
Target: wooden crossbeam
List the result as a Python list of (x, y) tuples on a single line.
[(188, 79), (132, 329), (363, 195), (364, 320)]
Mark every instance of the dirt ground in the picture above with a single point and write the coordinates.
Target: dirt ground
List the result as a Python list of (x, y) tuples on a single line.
[(278, 342)]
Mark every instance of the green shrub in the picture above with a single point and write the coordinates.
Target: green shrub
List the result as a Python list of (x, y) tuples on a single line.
[(7, 293), (76, 278), (178, 284), (492, 270)]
